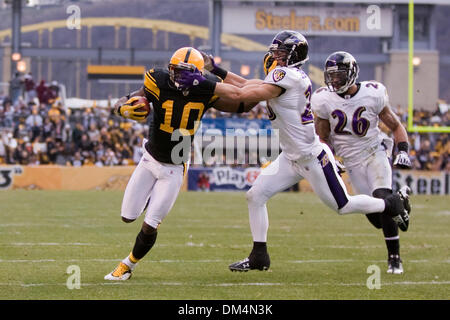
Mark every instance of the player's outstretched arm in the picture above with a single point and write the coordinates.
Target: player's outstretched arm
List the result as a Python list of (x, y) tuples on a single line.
[(239, 100), (248, 93), (239, 81), (227, 76)]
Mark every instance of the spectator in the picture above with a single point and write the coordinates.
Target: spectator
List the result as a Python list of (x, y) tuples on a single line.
[(30, 88), (41, 91), (34, 122)]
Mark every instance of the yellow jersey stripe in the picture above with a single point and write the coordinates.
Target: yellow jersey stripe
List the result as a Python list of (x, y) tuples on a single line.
[(150, 85), (152, 93), (150, 75)]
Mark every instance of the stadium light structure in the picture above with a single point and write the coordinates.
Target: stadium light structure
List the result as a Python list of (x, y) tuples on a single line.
[(412, 61), (21, 66), (16, 34), (245, 70), (416, 61), (16, 56)]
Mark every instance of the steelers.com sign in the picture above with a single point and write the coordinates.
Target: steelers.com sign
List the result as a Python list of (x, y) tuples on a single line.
[(369, 21)]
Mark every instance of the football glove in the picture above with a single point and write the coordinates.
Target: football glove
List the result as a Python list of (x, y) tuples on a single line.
[(402, 160), (211, 66), (128, 110), (189, 79)]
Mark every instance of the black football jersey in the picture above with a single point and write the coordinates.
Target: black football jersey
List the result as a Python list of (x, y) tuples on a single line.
[(175, 117)]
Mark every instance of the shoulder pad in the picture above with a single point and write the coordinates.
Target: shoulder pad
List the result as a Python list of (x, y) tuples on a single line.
[(154, 79), (321, 89), (372, 84)]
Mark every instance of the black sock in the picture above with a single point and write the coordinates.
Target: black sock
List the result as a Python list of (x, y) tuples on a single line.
[(393, 247), (390, 230), (144, 242), (259, 247), (259, 257)]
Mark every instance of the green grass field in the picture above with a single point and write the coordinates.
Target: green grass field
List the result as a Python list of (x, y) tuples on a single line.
[(315, 253)]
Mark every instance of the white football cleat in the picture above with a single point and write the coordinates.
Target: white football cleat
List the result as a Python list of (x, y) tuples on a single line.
[(121, 273), (395, 264)]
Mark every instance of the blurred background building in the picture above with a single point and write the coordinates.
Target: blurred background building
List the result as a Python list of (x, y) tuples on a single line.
[(63, 63)]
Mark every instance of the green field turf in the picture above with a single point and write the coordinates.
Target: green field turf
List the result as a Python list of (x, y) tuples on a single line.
[(315, 253)]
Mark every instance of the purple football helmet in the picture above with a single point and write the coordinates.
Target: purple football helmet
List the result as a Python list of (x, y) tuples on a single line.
[(295, 46), (341, 71)]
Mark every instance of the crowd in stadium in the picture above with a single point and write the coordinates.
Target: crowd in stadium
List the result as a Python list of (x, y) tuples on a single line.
[(35, 128)]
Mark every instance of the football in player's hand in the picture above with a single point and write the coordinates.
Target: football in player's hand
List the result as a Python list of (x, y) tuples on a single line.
[(145, 108)]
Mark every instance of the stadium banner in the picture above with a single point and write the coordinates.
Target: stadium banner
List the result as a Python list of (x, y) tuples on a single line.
[(53, 177), (366, 21), (422, 182), (219, 178), (49, 177), (226, 178)]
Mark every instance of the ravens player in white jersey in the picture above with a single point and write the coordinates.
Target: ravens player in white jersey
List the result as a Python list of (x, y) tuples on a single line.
[(157, 179), (347, 117), (287, 90)]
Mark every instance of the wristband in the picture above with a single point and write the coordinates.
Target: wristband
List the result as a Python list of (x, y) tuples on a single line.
[(403, 146), (221, 73)]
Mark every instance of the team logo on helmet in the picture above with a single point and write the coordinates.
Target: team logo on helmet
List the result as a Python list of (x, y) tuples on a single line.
[(278, 74)]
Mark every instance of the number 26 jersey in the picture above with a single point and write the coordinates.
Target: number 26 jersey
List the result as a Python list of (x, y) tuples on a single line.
[(353, 120)]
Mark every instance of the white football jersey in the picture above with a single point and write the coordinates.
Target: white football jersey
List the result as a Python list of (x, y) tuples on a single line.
[(290, 113), (353, 120)]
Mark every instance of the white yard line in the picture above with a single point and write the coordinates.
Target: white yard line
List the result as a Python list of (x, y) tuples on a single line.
[(240, 284), (210, 261), (201, 244)]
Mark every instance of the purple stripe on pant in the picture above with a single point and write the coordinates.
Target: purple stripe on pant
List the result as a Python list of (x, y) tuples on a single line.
[(332, 180)]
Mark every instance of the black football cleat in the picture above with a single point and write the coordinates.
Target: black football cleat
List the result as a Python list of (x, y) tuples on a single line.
[(396, 210), (245, 265), (404, 193)]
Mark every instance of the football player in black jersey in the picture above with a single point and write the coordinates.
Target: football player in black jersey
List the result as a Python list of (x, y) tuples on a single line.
[(157, 179)]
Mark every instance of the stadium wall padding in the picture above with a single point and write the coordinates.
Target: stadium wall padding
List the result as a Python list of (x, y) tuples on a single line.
[(51, 177)]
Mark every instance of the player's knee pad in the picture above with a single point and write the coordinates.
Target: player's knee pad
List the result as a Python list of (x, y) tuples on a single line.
[(381, 193), (376, 218)]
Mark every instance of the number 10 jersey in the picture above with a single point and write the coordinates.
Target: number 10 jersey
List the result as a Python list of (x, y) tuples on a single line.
[(176, 115)]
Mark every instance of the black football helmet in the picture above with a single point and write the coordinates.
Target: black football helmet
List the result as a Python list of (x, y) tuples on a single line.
[(295, 45), (341, 71)]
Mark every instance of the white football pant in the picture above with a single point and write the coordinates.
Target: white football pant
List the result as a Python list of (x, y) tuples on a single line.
[(154, 183), (373, 173), (321, 173)]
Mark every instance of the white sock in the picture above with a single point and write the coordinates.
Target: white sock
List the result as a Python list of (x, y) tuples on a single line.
[(129, 261), (259, 221)]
